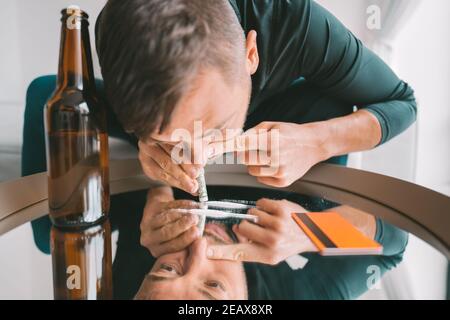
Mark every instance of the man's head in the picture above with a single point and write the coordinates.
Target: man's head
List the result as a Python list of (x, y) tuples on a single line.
[(189, 274), (168, 63)]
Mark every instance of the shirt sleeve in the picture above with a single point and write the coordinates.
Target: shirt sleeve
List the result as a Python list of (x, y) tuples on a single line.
[(338, 63)]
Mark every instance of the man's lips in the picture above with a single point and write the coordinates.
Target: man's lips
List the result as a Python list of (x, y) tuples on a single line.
[(218, 231)]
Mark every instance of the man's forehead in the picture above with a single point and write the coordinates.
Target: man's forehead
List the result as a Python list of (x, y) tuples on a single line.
[(205, 102), (200, 129)]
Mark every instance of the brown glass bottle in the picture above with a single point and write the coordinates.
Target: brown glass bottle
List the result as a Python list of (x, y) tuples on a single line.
[(76, 138), (82, 263)]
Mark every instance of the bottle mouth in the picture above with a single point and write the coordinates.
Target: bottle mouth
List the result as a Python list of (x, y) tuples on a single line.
[(74, 10)]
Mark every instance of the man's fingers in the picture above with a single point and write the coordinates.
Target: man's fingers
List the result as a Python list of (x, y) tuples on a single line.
[(257, 139), (179, 243), (175, 228), (192, 170), (165, 169), (268, 205), (154, 171), (167, 164), (167, 217), (254, 158), (242, 143), (158, 214), (182, 204), (240, 238), (188, 166), (256, 233), (265, 219), (167, 213), (160, 220), (280, 208)]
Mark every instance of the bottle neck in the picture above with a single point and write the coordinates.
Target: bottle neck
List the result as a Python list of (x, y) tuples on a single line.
[(75, 61)]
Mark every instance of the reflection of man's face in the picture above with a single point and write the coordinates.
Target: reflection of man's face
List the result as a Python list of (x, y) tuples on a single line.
[(190, 275)]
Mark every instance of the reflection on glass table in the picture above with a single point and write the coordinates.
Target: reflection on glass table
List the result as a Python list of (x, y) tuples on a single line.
[(171, 272), (82, 263)]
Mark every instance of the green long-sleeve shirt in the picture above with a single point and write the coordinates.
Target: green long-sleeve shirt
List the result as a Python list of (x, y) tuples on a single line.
[(300, 39)]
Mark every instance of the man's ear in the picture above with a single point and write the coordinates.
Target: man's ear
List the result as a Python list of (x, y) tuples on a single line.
[(252, 61)]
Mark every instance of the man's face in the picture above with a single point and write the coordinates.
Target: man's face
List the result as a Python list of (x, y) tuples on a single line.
[(218, 104), (211, 101), (189, 274)]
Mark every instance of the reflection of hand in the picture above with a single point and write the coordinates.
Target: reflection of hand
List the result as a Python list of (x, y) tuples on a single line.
[(275, 238), (164, 230)]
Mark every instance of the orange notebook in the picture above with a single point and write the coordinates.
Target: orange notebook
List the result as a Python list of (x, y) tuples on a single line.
[(335, 236)]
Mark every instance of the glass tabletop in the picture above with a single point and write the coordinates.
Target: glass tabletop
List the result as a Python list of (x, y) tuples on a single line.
[(111, 260)]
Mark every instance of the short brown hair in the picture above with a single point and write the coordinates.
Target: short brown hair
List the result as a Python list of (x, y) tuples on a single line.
[(150, 51)]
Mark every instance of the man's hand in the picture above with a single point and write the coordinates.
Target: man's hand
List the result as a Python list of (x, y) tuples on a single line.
[(164, 230), (277, 153), (275, 238), (157, 163)]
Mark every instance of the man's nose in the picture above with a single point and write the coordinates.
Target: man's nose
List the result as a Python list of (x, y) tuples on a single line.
[(197, 255)]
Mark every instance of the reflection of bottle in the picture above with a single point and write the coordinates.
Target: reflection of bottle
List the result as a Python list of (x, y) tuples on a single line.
[(76, 140), (82, 263)]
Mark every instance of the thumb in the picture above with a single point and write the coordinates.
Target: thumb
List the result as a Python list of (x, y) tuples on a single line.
[(240, 237), (247, 141)]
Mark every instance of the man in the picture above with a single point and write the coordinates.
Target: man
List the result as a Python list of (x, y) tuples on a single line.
[(283, 66), (189, 274)]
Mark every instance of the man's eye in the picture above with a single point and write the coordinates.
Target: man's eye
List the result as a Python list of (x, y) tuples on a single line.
[(167, 268), (214, 284)]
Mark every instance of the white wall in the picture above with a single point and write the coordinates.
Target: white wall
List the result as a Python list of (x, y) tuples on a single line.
[(422, 57), (352, 14), (29, 47), (422, 51)]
